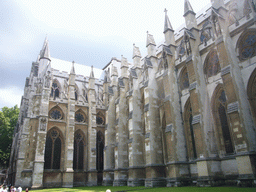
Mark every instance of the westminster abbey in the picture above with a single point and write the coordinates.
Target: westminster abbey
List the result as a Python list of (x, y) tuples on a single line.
[(184, 114)]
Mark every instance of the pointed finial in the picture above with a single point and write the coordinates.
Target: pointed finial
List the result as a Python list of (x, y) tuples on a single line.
[(45, 52), (167, 23), (92, 73), (136, 51), (165, 10), (73, 68), (150, 40), (188, 8)]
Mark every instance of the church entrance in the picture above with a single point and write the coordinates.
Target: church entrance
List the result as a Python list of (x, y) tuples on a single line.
[(100, 157)]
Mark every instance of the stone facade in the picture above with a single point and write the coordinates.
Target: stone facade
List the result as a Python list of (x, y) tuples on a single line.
[(184, 114)]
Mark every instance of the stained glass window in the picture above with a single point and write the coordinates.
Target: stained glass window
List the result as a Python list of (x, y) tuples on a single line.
[(52, 150), (223, 120), (55, 93), (78, 162), (79, 117), (100, 151), (212, 66), (99, 120), (248, 46), (184, 80), (55, 114)]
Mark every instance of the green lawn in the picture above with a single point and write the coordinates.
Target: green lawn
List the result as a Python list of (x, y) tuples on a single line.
[(143, 189)]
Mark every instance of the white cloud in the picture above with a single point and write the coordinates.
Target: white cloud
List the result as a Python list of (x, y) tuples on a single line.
[(10, 96)]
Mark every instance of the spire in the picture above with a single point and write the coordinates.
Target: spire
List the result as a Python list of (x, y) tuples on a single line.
[(92, 73), (150, 40), (45, 52), (167, 23), (136, 52), (73, 68), (188, 8)]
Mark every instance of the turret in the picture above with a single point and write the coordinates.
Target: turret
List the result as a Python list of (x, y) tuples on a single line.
[(124, 67), (114, 75), (190, 16), (45, 52), (151, 45), (168, 31), (91, 79), (136, 56), (44, 57)]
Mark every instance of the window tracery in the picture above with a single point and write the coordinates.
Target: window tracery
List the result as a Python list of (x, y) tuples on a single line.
[(247, 45), (100, 120), (53, 148), (221, 118), (56, 113), (206, 32), (184, 80), (80, 117), (189, 130), (212, 64), (55, 91), (78, 162)]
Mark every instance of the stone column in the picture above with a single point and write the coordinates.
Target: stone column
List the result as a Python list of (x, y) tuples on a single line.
[(110, 133), (92, 135), (68, 175), (136, 137), (38, 170)]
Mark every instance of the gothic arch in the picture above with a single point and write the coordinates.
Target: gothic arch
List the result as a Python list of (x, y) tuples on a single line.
[(56, 113), (189, 132), (79, 150), (246, 44), (251, 92), (80, 116), (100, 118), (219, 110), (211, 64), (55, 89), (184, 79), (53, 149)]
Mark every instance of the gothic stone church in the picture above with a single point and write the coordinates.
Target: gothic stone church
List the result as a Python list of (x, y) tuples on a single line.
[(184, 114)]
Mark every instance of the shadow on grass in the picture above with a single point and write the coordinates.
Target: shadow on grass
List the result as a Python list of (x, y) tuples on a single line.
[(141, 189)]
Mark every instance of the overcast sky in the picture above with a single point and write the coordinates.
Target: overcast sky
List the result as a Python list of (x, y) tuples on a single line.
[(88, 32)]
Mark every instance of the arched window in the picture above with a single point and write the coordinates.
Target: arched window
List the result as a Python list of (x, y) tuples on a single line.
[(212, 64), (100, 120), (184, 80), (78, 162), (220, 113), (56, 113), (189, 131), (80, 116), (251, 91), (55, 91), (247, 45), (53, 148), (100, 150)]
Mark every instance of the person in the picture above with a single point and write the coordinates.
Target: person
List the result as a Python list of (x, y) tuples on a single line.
[(26, 189), (1, 188), (19, 189), (5, 189)]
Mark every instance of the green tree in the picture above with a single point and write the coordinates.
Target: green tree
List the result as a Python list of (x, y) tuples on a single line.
[(8, 121)]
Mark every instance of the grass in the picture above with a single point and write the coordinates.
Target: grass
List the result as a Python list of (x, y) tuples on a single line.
[(143, 189)]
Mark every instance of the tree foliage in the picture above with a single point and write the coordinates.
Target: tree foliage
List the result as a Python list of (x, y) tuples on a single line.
[(8, 121)]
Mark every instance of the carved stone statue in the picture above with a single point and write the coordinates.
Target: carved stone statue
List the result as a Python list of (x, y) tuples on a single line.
[(47, 80), (43, 124)]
